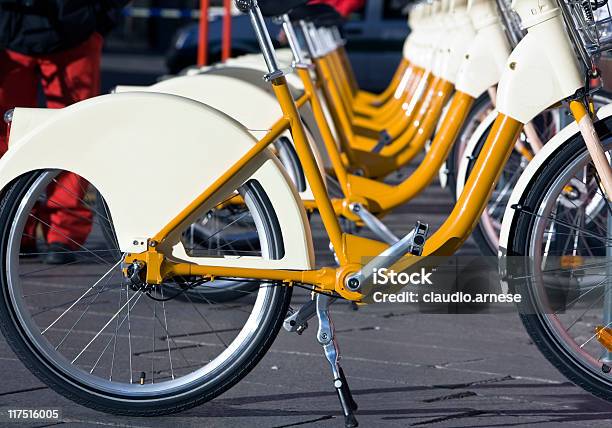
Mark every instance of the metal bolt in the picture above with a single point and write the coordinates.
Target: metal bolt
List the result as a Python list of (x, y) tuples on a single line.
[(8, 116), (323, 336), (152, 243), (512, 65), (606, 368), (353, 283), (135, 242)]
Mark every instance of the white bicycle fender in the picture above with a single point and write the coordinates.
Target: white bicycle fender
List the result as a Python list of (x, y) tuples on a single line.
[(150, 155), (460, 40), (255, 63), (253, 75), (483, 62), (257, 109), (540, 72), (532, 169)]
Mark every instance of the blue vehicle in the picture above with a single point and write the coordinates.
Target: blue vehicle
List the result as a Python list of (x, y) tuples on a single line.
[(375, 37)]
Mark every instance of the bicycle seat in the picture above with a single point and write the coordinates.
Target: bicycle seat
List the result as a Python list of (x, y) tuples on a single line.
[(270, 7), (321, 15)]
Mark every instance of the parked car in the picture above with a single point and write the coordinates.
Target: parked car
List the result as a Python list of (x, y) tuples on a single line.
[(375, 37)]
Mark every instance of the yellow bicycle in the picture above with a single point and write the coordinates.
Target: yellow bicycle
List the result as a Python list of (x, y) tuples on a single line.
[(104, 331)]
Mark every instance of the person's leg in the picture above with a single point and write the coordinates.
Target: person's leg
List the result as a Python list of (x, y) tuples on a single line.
[(73, 75), (18, 88), (69, 219), (69, 77)]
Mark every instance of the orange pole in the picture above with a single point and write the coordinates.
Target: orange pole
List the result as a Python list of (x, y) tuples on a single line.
[(226, 42), (203, 34)]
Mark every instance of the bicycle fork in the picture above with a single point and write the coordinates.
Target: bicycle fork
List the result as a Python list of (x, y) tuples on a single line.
[(594, 146)]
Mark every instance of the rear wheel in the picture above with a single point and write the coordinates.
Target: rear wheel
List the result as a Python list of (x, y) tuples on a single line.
[(118, 348)]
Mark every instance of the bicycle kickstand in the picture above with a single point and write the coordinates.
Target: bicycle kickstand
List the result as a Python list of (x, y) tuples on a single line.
[(325, 337)]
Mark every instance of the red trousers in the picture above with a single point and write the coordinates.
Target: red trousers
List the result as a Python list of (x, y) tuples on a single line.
[(66, 77)]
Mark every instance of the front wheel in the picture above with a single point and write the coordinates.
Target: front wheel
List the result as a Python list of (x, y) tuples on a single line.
[(560, 252), (110, 345)]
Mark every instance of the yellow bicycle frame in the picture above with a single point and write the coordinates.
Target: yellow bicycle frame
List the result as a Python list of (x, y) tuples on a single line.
[(409, 130), (379, 197), (350, 249)]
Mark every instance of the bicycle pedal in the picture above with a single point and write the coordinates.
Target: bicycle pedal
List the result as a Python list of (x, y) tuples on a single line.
[(418, 240)]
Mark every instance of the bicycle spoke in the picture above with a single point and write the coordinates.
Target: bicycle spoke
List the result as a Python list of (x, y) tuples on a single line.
[(84, 311), (206, 320), (127, 295), (167, 334), (88, 205), (224, 228), (82, 296), (568, 328), (67, 237), (127, 303)]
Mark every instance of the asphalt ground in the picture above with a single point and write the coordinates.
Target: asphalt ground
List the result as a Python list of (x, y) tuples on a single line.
[(405, 368)]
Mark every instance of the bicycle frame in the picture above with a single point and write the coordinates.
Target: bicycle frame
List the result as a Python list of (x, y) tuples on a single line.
[(488, 51), (425, 99), (350, 250)]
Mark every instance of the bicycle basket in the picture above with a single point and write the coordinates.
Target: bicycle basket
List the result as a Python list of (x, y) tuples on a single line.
[(592, 22)]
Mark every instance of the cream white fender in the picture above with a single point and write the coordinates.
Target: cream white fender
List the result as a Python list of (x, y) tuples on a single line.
[(417, 20), (481, 67), (150, 155), (457, 42), (532, 169), (256, 63), (427, 54), (423, 46), (253, 75), (283, 55), (257, 109), (542, 69), (485, 59), (445, 27)]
